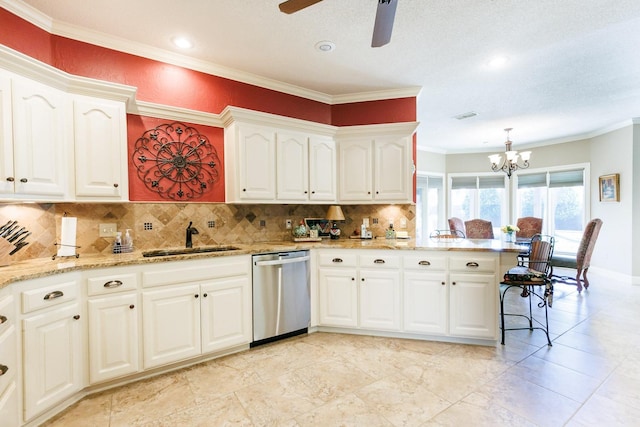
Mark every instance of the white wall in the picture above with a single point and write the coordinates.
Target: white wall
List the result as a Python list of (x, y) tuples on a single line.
[(430, 162), (613, 153)]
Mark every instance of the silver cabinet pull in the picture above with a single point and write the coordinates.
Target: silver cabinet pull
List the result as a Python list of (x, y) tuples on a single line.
[(336, 260), (378, 261), (53, 295), (424, 263), (3, 319), (113, 284), (3, 369), (473, 264)]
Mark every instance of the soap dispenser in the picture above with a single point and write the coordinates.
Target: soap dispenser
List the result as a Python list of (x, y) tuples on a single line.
[(117, 245), (127, 244)]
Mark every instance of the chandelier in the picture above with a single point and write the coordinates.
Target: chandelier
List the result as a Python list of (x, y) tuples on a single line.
[(510, 163)]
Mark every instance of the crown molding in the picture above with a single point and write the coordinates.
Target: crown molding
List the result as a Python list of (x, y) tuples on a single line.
[(233, 114), (379, 130), (25, 66), (62, 29), (169, 112)]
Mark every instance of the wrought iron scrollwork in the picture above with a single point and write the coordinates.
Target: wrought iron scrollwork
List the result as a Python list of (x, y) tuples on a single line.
[(176, 162)]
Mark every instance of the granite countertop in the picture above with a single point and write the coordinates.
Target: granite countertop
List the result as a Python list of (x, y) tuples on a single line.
[(42, 267)]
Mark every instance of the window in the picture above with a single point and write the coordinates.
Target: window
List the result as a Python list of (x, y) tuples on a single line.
[(559, 198), (429, 205), (479, 197)]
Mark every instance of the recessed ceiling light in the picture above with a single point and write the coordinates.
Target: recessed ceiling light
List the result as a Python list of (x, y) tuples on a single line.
[(325, 46), (182, 42), (498, 62)]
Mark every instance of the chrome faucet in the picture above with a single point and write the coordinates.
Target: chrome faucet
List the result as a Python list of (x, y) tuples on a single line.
[(190, 232)]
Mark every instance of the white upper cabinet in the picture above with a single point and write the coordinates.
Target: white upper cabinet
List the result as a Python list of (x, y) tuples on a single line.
[(100, 136), (42, 149), (292, 167), (323, 172), (62, 137), (273, 159), (306, 168), (376, 164)]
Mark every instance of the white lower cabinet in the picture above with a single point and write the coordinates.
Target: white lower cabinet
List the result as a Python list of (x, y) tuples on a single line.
[(9, 366), (338, 297), (114, 336), (225, 308), (473, 305), (53, 362), (171, 324), (380, 299), (193, 307), (426, 302)]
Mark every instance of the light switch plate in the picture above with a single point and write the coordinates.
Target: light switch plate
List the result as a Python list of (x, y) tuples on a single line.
[(108, 230)]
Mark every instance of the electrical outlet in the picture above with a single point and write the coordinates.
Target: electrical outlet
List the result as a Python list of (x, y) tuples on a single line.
[(108, 230), (365, 221), (288, 224), (403, 222)]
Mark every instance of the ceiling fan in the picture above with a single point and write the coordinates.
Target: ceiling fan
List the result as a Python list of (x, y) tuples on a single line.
[(382, 28)]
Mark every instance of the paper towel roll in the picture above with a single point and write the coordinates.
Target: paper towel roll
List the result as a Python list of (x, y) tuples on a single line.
[(68, 236)]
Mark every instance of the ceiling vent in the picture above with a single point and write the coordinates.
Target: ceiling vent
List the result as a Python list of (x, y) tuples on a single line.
[(465, 115)]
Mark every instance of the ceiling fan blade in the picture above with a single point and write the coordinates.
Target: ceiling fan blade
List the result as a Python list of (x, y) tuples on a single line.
[(291, 6), (385, 14)]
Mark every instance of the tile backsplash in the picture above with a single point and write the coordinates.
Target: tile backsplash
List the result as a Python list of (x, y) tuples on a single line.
[(162, 225)]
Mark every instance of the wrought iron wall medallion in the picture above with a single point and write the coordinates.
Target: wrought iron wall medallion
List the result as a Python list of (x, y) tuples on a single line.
[(176, 162)]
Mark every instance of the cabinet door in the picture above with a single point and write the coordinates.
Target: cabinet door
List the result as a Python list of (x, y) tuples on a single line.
[(53, 363), (226, 313), (322, 169), (7, 175), (380, 299), (257, 163), (426, 302), (100, 141), (355, 171), (113, 337), (393, 176), (338, 297), (292, 167), (41, 132), (171, 324), (473, 305), (9, 413)]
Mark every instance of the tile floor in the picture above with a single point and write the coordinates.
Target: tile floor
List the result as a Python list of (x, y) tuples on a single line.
[(590, 376)]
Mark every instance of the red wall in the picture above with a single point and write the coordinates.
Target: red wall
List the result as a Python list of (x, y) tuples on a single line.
[(172, 85)]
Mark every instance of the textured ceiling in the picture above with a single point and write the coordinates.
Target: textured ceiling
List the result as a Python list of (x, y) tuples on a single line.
[(573, 70)]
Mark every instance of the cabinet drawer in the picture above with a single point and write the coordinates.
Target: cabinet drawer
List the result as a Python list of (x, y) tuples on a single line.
[(379, 260), (473, 264), (337, 259), (49, 296), (193, 271), (8, 362), (112, 282), (426, 261)]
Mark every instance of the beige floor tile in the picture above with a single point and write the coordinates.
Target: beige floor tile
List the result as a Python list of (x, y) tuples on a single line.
[(278, 400), (580, 361), (402, 401), (148, 400), (537, 404), (602, 411), (212, 380), (223, 412), (475, 410), (93, 410), (345, 411)]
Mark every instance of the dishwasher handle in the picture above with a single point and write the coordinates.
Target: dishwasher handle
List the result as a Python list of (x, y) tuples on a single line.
[(282, 261)]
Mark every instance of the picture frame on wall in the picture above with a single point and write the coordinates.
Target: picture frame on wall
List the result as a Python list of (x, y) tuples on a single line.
[(609, 187)]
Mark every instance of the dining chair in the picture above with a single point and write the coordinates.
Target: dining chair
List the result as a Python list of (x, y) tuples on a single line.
[(582, 259), (479, 229), (533, 280), (529, 226), (456, 224)]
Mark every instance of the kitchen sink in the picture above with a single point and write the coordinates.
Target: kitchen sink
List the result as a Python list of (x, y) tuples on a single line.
[(188, 251)]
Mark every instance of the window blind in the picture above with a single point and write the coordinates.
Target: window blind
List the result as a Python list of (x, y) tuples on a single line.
[(532, 180), (463, 182), (572, 178)]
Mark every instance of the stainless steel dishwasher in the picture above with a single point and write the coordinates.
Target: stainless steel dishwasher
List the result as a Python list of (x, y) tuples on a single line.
[(281, 296)]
